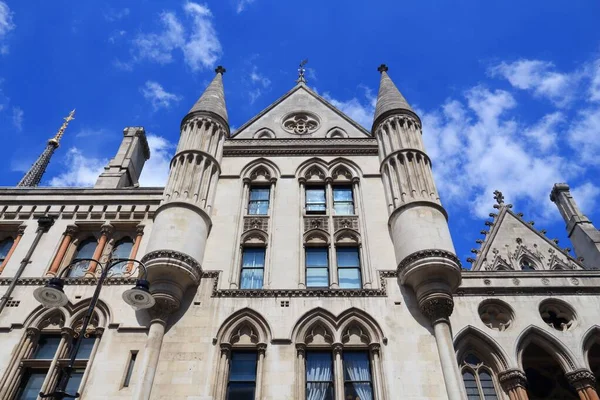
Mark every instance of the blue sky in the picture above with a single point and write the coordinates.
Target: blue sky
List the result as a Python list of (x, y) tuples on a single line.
[(509, 92)]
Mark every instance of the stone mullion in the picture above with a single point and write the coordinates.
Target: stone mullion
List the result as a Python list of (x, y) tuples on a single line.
[(301, 371), (62, 352), (333, 270), (12, 378), (271, 221), (365, 267), (62, 250), (302, 211), (235, 270), (105, 232), (86, 373), (376, 370), (20, 233), (338, 371), (260, 366), (222, 372)]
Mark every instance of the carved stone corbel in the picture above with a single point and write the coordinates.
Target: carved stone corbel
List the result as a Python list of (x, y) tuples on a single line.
[(512, 379), (437, 308), (581, 379)]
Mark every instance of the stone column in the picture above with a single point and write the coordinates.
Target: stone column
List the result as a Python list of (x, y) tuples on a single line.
[(261, 348), (105, 232), (12, 377), (159, 315), (62, 250), (514, 382), (376, 370), (333, 270), (438, 309), (584, 382), (338, 371), (301, 370), (302, 270), (20, 233), (222, 371), (139, 232)]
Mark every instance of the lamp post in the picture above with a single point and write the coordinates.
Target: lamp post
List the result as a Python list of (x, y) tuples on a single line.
[(52, 296)]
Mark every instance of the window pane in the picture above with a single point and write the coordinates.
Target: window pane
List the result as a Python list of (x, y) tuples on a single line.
[(316, 257), (358, 391), (253, 257), (46, 347), (252, 278), (121, 250), (258, 208), (347, 257), (315, 195), (5, 246), (259, 194), (342, 193), (240, 391), (471, 386), (31, 384), (85, 250), (319, 366), (487, 385), (243, 367), (343, 208), (317, 277), (357, 366), (349, 278), (85, 349), (74, 381), (319, 391)]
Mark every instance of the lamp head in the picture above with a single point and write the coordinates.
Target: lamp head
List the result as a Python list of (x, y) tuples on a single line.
[(139, 297), (52, 295)]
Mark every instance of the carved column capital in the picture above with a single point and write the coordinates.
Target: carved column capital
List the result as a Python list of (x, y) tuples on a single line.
[(301, 349), (581, 378), (437, 308), (21, 230), (261, 348), (511, 379), (162, 309), (302, 180), (71, 230), (225, 349), (337, 348), (67, 333), (246, 181), (375, 348), (33, 333), (107, 229), (139, 230), (329, 180)]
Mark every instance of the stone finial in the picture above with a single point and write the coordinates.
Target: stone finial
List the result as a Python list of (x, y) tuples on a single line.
[(499, 197), (220, 70), (382, 68)]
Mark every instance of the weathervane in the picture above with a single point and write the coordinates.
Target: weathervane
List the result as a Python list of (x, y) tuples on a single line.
[(301, 71), (56, 139)]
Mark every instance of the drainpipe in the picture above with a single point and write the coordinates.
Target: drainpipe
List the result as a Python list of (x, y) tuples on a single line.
[(44, 224)]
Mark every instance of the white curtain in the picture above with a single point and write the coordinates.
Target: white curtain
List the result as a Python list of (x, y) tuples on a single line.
[(357, 370), (318, 368)]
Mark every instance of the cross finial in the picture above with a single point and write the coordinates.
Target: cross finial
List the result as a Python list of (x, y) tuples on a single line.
[(56, 139), (382, 68), (220, 70), (499, 197), (301, 71)]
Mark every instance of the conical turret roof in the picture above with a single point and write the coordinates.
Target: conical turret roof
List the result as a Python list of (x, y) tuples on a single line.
[(389, 97), (213, 98)]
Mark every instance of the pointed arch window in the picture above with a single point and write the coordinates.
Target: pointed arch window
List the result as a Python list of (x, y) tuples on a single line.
[(85, 249), (122, 249), (478, 379), (5, 246), (526, 265)]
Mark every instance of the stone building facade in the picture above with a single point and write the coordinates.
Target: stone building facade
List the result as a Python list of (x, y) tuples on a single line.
[(302, 257)]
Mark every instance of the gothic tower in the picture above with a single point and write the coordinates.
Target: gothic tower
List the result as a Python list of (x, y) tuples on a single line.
[(182, 222), (418, 223)]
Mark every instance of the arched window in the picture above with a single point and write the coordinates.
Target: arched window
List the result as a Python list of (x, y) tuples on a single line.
[(478, 379), (526, 265), (545, 377), (594, 359), (122, 249), (5, 246), (85, 249)]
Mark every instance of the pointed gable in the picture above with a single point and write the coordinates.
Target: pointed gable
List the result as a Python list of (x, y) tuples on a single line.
[(301, 113), (510, 241)]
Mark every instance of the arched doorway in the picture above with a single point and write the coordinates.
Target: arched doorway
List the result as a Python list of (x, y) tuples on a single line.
[(545, 378), (594, 359)]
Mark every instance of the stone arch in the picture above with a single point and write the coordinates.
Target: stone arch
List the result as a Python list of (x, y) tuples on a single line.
[(317, 237), (347, 236), (549, 343), (472, 340), (314, 167), (591, 337), (316, 318), (43, 317), (336, 132), (101, 313), (357, 317), (254, 237), (350, 165), (264, 133), (257, 171), (244, 327)]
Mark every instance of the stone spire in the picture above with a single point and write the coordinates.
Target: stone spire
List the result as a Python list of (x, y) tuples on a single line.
[(212, 100), (389, 98), (33, 177)]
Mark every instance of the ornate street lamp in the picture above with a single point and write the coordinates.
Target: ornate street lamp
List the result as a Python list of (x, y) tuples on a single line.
[(52, 296)]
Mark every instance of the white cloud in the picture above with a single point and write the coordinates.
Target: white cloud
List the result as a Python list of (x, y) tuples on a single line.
[(17, 118), (595, 84), (259, 83), (586, 196), (361, 111), (6, 25), (158, 97), (199, 44), (156, 169), (544, 133), (81, 170), (241, 5), (113, 15), (584, 135), (541, 78)]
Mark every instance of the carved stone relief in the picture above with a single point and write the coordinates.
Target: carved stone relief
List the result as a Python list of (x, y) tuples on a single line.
[(301, 123)]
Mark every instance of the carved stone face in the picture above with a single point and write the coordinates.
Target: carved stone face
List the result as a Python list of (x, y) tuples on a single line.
[(300, 123)]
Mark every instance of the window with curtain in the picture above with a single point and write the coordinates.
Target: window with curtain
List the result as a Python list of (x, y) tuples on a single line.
[(319, 375), (478, 379), (348, 263), (85, 250), (253, 267), (357, 376), (242, 375), (122, 249), (315, 200), (343, 202), (258, 203), (5, 246), (317, 267)]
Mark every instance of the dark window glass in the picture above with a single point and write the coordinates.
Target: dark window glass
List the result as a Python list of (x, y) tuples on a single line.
[(317, 267), (319, 375), (487, 385), (348, 263), (46, 347), (253, 266), (357, 376), (74, 381), (5, 247), (129, 371), (84, 250), (85, 348), (242, 376), (259, 201), (315, 200), (526, 266), (471, 385), (122, 249), (31, 384), (343, 202)]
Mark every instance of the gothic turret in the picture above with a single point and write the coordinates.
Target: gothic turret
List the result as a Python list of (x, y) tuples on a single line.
[(33, 177), (582, 233), (417, 221)]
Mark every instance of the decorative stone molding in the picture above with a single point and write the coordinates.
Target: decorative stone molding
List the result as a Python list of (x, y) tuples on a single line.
[(337, 348), (306, 146), (495, 314), (163, 309), (256, 222), (437, 308), (511, 379), (261, 348), (301, 349), (225, 349), (301, 123), (33, 333), (557, 314), (428, 253), (581, 378), (89, 281), (375, 348), (316, 223), (345, 222), (185, 261)]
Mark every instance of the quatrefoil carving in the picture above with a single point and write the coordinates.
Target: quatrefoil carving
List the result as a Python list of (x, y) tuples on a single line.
[(301, 123)]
